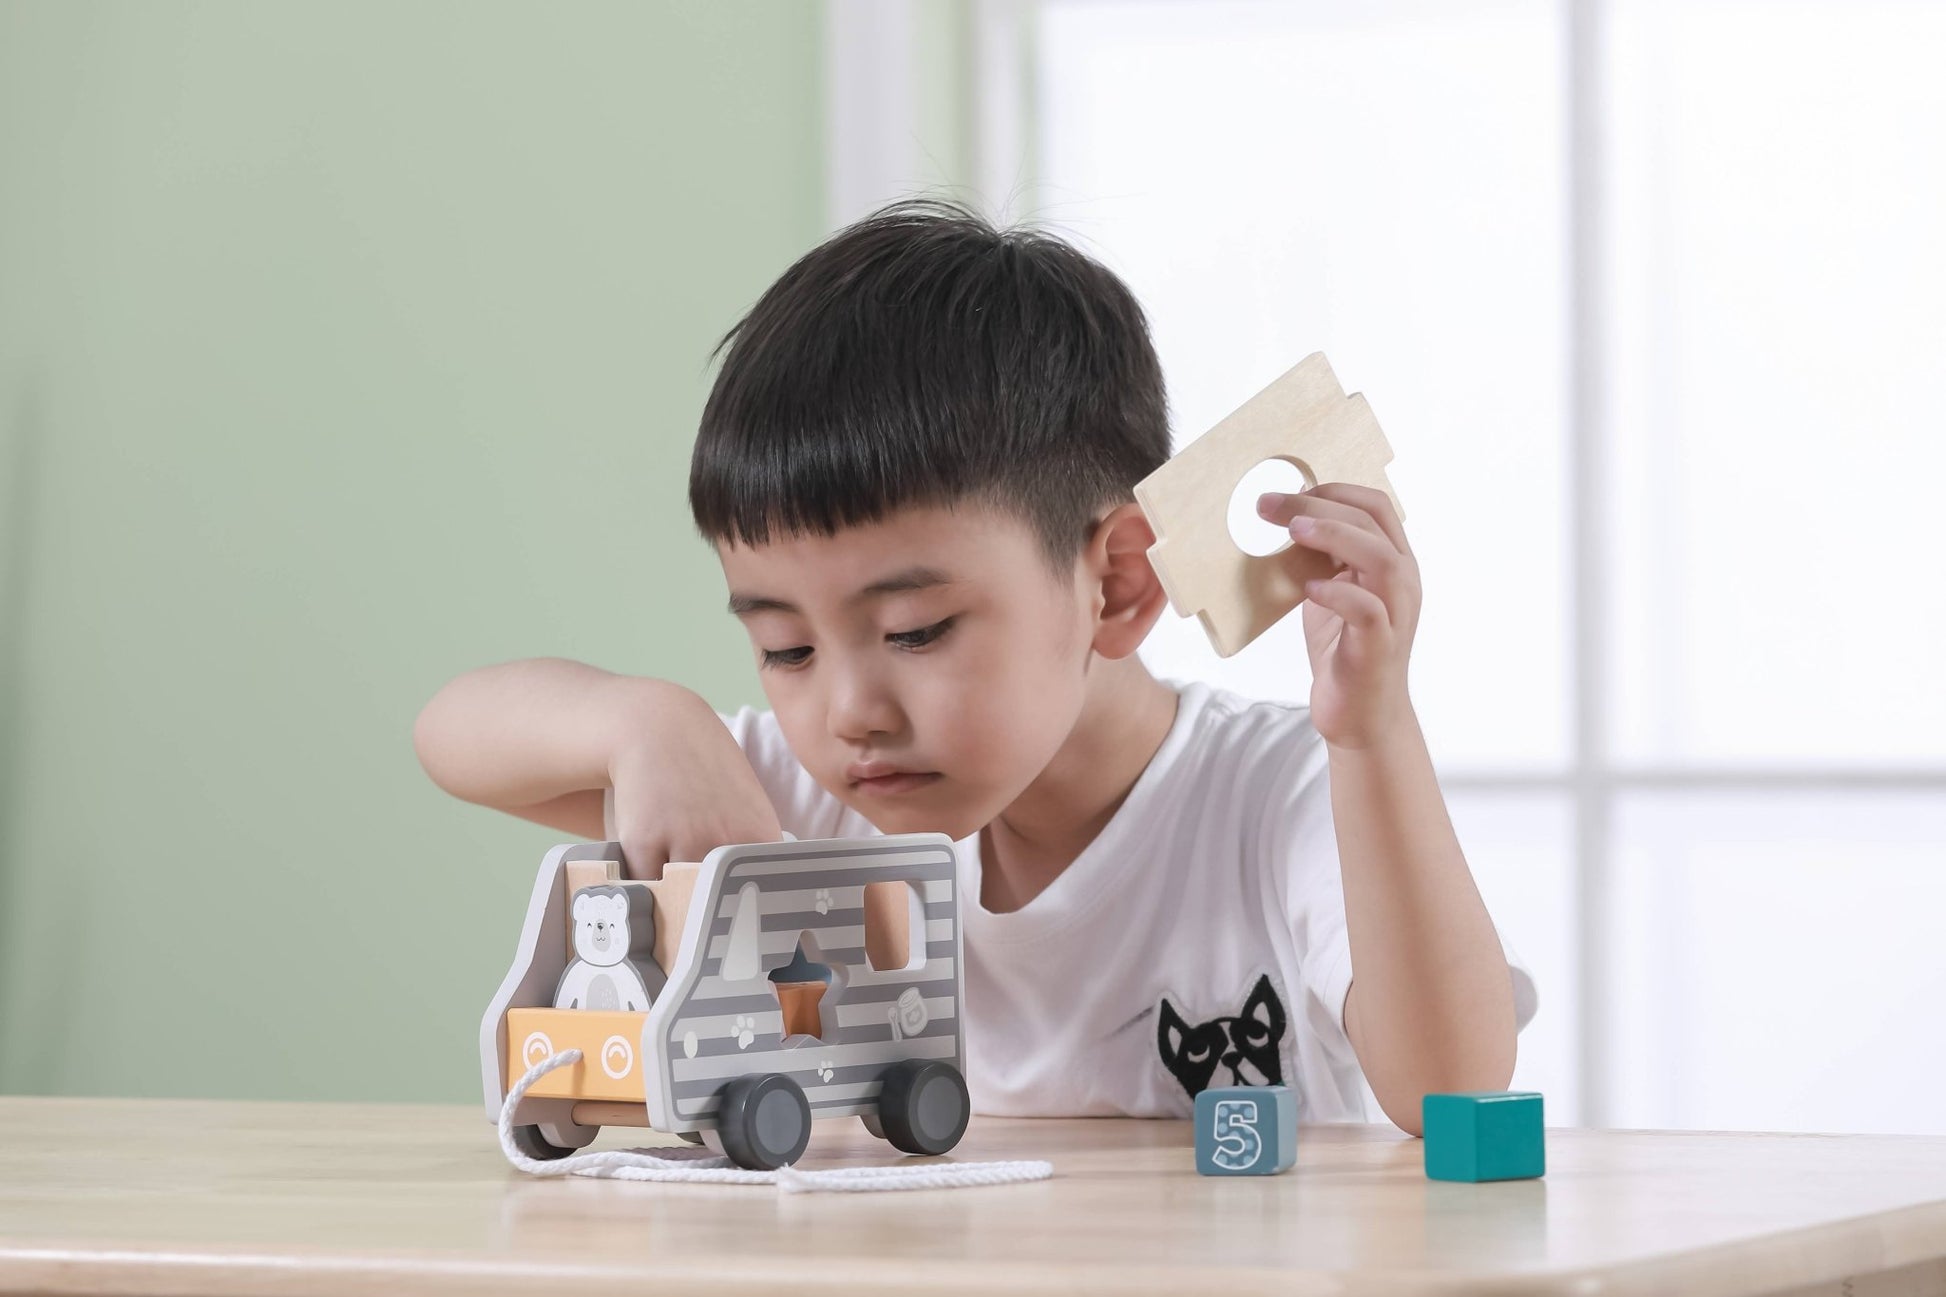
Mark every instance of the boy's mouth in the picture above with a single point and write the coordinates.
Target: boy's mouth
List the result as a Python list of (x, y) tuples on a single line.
[(883, 779)]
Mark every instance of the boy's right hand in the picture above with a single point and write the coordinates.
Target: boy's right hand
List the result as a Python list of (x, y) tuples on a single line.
[(632, 759), (670, 802)]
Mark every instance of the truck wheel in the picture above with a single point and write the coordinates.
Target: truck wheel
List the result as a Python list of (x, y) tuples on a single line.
[(530, 1141), (764, 1121), (923, 1106)]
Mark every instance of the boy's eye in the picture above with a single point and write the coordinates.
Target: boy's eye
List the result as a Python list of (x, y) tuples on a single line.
[(905, 639), (921, 637), (789, 657)]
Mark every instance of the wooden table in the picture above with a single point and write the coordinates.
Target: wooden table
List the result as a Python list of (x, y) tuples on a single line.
[(153, 1196)]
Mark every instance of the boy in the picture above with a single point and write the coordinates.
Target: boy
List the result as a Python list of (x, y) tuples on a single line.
[(916, 467)]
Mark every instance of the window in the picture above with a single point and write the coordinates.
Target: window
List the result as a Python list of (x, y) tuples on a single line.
[(743, 948), (895, 926), (1383, 183), (1649, 299)]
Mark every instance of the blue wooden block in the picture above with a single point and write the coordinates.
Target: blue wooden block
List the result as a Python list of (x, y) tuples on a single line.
[(1486, 1135), (1246, 1130)]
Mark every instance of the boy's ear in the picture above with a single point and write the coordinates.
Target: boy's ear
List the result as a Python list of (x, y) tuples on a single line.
[(1129, 597)]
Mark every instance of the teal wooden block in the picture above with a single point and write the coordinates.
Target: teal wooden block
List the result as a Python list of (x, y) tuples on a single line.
[(1485, 1135), (1246, 1130)]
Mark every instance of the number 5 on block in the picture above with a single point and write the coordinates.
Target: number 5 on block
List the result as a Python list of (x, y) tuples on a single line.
[(1246, 1130)]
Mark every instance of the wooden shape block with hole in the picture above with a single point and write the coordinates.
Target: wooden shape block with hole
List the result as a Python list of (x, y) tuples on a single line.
[(1246, 1130), (1304, 418), (1483, 1135)]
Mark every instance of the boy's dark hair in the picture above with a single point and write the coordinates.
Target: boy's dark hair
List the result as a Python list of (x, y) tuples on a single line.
[(922, 357)]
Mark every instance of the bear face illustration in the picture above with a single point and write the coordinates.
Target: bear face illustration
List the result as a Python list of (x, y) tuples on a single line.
[(601, 926)]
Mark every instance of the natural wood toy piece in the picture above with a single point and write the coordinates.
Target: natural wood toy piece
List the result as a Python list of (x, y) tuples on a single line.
[(1483, 1135), (671, 893), (1246, 1130), (1304, 418)]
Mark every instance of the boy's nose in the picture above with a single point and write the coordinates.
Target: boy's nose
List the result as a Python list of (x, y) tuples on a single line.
[(860, 708)]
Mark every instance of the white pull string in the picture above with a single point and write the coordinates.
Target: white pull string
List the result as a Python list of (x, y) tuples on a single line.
[(700, 1166)]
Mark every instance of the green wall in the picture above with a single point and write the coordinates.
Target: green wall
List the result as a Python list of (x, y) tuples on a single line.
[(342, 347)]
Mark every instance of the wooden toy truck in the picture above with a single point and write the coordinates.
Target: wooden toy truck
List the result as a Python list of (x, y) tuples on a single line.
[(790, 981)]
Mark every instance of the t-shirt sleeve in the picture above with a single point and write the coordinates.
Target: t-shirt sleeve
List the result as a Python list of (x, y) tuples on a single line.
[(1527, 995), (805, 809)]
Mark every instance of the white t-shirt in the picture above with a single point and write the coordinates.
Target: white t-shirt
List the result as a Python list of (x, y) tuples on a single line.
[(1198, 941)]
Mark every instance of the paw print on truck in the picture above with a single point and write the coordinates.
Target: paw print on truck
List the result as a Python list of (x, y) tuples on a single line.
[(823, 901), (744, 1029)]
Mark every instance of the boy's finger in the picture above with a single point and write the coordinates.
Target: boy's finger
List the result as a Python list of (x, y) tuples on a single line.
[(1277, 507), (1365, 550), (1361, 609), (1373, 503), (643, 858)]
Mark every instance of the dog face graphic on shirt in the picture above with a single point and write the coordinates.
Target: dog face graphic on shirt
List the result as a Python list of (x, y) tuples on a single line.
[(1239, 1050)]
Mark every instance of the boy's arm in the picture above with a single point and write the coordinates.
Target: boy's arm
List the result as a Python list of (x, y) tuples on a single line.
[(1431, 1008), (536, 736), (544, 738)]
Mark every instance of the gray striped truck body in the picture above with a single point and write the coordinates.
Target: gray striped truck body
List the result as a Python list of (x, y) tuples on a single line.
[(719, 1017)]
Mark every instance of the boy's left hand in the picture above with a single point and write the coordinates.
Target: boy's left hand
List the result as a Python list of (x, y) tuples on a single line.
[(1358, 624)]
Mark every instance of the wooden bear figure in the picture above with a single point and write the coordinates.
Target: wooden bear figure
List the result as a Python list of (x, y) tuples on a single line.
[(614, 933)]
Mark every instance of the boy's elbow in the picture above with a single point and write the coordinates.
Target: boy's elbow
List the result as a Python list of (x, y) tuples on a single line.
[(1400, 1104), (1403, 1104), (428, 744)]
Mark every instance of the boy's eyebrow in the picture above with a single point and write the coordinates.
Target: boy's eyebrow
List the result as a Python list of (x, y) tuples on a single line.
[(912, 578)]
